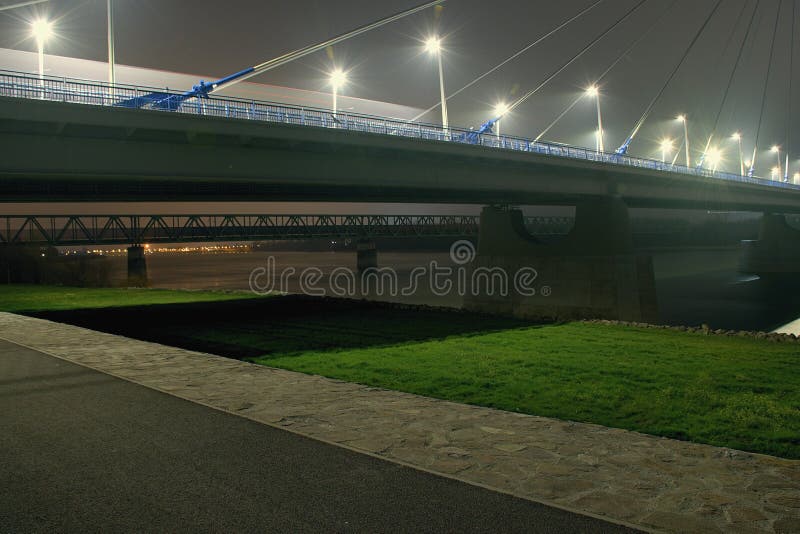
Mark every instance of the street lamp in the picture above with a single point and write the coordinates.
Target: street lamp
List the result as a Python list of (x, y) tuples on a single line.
[(110, 28), (666, 148), (499, 111), (594, 92), (777, 150), (41, 30), (714, 157), (338, 78), (738, 138), (434, 46), (682, 118)]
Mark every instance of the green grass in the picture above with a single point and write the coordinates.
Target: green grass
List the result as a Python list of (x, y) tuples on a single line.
[(732, 392), (30, 298), (727, 391)]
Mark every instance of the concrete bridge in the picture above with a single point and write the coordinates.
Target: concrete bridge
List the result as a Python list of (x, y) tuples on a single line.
[(78, 151)]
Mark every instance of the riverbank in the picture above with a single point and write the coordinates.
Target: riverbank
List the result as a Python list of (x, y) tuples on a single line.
[(723, 390)]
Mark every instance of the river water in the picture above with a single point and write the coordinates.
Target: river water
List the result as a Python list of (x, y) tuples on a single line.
[(694, 287)]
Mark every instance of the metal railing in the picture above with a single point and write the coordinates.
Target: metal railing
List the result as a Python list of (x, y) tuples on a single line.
[(32, 86)]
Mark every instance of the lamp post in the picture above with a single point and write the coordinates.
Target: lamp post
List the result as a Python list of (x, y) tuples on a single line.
[(499, 111), (110, 26), (434, 46), (338, 78), (666, 148), (41, 30), (786, 169), (777, 150), (714, 157), (594, 92), (738, 138), (685, 122)]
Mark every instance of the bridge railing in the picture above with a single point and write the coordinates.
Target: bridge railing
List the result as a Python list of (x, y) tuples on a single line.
[(60, 89)]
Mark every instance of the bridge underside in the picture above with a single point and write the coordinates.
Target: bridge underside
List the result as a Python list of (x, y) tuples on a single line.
[(56, 151)]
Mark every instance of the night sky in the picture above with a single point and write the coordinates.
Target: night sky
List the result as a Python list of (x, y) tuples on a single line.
[(214, 38)]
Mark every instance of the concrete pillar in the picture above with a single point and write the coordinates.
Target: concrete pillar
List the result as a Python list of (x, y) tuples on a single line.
[(775, 253), (592, 272), (137, 267), (366, 254)]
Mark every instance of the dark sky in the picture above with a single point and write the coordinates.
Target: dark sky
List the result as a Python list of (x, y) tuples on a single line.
[(216, 38)]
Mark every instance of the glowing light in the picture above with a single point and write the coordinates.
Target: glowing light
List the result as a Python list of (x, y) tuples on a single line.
[(500, 109), (592, 91), (338, 78), (42, 30), (747, 163), (797, 178), (433, 45), (775, 148), (666, 147), (736, 136), (714, 157), (681, 118)]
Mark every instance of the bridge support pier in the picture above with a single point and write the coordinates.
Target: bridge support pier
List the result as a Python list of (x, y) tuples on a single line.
[(775, 253), (137, 267), (366, 254), (592, 272)]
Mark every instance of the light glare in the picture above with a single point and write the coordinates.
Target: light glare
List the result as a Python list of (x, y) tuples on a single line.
[(42, 30), (500, 109), (338, 78), (433, 45), (714, 156)]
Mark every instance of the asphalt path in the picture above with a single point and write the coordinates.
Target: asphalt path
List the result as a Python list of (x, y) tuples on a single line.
[(84, 451)]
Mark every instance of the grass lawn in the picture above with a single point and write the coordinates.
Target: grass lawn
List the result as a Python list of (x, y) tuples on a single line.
[(731, 392), (29, 298), (735, 392)]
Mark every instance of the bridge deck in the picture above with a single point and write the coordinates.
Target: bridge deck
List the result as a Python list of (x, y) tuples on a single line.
[(59, 89)]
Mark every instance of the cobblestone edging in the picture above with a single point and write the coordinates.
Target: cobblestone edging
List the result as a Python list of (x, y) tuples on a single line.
[(769, 336), (654, 483)]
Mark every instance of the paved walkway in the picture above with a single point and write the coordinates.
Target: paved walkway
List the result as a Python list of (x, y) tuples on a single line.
[(649, 482), (87, 452)]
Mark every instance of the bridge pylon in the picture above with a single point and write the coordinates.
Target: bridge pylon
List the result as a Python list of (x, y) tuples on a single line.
[(776, 253), (137, 266), (366, 254), (592, 272)]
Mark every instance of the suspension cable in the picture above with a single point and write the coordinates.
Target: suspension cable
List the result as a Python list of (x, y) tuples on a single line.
[(296, 54), (619, 21), (622, 149), (766, 86), (609, 68), (730, 80), (510, 58)]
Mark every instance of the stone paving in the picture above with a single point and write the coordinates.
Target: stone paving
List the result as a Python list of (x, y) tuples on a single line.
[(653, 483)]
